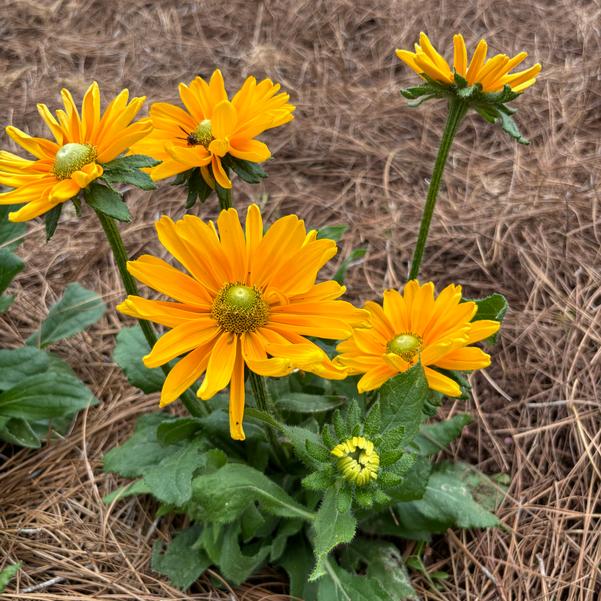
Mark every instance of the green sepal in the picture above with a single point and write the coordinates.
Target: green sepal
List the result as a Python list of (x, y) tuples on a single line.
[(51, 220), (344, 499), (320, 480), (250, 172), (198, 189), (373, 421), (317, 451), (106, 200), (340, 426)]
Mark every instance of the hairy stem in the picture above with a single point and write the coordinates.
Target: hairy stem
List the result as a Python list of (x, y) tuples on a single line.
[(457, 110), (193, 405)]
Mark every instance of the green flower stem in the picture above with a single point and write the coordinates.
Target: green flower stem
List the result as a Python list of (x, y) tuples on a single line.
[(457, 110), (193, 405), (266, 405)]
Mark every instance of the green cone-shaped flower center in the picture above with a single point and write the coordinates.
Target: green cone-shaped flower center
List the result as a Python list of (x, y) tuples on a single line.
[(406, 346), (202, 135), (358, 461), (239, 308), (72, 157)]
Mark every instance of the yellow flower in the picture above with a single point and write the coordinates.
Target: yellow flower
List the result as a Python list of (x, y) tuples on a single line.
[(212, 126), (64, 166), (248, 298), (491, 74), (416, 326)]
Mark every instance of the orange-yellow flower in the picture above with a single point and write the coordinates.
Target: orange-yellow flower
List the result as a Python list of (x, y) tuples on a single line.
[(212, 126), (416, 326), (492, 74), (248, 298), (69, 163)]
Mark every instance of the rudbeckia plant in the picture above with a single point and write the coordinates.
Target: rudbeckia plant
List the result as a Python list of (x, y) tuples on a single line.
[(312, 434)]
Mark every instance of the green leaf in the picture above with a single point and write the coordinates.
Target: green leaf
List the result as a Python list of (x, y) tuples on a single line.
[(179, 429), (417, 91), (74, 312), (170, 481), (7, 574), (10, 266), (510, 127), (19, 363), (51, 220), (491, 307), (224, 550), (131, 346), (384, 564), (227, 492), (298, 561), (340, 585), (332, 232), (107, 201), (197, 188), (182, 562), (447, 503), (415, 480), (18, 431), (354, 255), (6, 302), (298, 438), (141, 451), (332, 528), (11, 233), (401, 402), (132, 161), (132, 489), (301, 402), (135, 177), (433, 438), (248, 171), (45, 396)]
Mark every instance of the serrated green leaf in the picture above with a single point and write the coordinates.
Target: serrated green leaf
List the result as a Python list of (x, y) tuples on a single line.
[(384, 564), (18, 431), (7, 574), (433, 438), (331, 529), (447, 503), (73, 313), (131, 346), (182, 562), (20, 363), (107, 201), (318, 481), (225, 494), (491, 307), (170, 481), (141, 451), (44, 396), (339, 585), (302, 402), (401, 402), (298, 437), (179, 429), (10, 266)]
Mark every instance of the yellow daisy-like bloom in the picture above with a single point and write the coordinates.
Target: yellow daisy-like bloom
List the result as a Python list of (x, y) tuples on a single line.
[(416, 326), (358, 460), (213, 126), (249, 298), (69, 163), (492, 74)]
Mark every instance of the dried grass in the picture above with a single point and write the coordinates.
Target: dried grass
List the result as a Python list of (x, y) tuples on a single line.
[(521, 220)]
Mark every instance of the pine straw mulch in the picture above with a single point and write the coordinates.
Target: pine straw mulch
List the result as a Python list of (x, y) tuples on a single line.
[(521, 220)]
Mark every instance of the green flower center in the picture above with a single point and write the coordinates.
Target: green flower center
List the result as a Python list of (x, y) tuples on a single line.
[(358, 460), (238, 308), (71, 157), (203, 134), (405, 345)]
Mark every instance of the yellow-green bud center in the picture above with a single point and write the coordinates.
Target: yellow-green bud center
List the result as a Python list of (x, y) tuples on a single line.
[(202, 135), (71, 157), (358, 461), (406, 346), (238, 308)]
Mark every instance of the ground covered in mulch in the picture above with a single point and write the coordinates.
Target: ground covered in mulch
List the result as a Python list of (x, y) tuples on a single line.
[(523, 221)]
